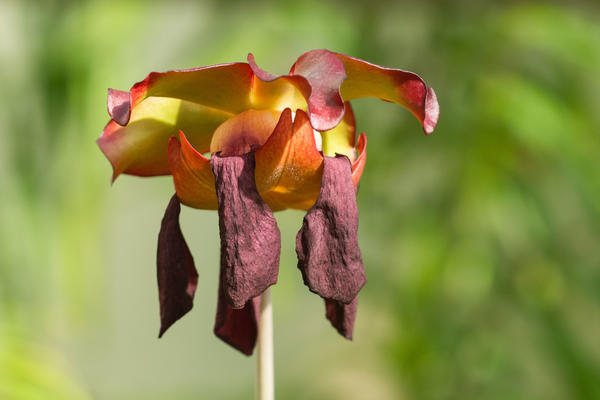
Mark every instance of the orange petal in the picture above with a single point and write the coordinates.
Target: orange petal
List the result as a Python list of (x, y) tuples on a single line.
[(289, 166), (359, 165), (193, 178), (402, 87), (245, 132)]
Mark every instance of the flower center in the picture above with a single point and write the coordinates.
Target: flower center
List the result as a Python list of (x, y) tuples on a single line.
[(245, 132)]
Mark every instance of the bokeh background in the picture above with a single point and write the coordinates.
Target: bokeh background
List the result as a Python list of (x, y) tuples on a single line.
[(481, 242)]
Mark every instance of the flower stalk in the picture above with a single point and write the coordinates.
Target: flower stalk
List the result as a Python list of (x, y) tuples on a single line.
[(265, 372)]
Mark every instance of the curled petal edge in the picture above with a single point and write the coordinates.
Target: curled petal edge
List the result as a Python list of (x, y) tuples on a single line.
[(119, 106), (327, 79), (318, 75), (358, 165), (406, 88)]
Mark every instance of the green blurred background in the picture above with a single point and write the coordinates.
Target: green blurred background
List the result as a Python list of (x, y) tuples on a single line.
[(481, 242)]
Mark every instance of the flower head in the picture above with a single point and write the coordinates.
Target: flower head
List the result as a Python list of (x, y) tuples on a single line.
[(275, 142)]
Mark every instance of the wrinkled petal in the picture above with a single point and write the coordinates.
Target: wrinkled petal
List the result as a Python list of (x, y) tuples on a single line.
[(250, 238), (288, 165), (402, 87), (192, 175), (342, 316), (177, 276), (318, 75), (327, 244), (359, 164), (237, 327)]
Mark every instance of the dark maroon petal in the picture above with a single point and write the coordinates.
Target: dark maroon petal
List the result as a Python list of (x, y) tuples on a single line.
[(327, 244), (342, 316), (177, 276), (237, 327), (250, 239), (119, 106)]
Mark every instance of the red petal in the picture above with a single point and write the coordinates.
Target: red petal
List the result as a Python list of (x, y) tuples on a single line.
[(327, 244), (119, 106), (342, 316), (250, 239), (325, 73), (318, 75), (177, 276), (406, 88)]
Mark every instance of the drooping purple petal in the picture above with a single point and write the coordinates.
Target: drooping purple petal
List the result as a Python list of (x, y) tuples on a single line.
[(342, 316), (237, 327), (176, 273), (250, 239), (327, 244)]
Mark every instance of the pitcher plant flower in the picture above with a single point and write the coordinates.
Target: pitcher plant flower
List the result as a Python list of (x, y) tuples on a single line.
[(247, 143)]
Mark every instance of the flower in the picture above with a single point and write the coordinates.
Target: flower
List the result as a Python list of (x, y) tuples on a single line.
[(275, 142)]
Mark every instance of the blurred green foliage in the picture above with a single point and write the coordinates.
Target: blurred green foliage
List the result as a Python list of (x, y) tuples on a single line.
[(481, 242)]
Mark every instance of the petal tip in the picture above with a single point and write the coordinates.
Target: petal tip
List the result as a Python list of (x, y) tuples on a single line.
[(115, 170), (259, 72), (342, 316), (176, 273), (119, 106), (432, 112)]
